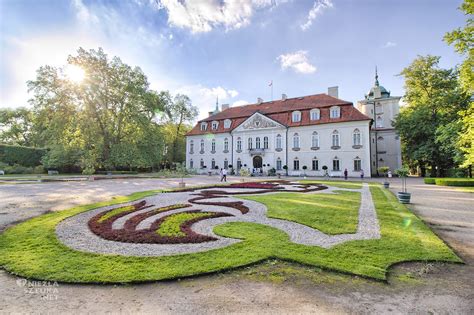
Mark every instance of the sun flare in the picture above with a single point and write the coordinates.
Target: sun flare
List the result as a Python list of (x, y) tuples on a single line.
[(74, 73)]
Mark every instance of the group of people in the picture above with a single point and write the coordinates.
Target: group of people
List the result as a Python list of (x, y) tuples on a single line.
[(346, 173)]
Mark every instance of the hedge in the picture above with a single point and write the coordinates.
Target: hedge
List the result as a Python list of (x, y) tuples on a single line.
[(430, 181), (464, 182), (24, 156)]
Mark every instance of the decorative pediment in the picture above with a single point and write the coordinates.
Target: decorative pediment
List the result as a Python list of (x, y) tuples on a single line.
[(259, 121)]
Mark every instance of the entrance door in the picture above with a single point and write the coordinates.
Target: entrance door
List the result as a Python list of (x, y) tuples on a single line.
[(257, 162)]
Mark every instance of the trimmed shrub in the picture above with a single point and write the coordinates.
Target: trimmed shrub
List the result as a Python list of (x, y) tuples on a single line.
[(25, 156), (429, 180), (463, 182)]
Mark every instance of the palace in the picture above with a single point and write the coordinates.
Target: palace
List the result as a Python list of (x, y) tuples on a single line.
[(313, 135)]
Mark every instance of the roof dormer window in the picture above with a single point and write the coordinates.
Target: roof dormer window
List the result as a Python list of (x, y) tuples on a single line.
[(296, 116), (215, 124), (315, 114), (335, 112), (203, 126), (227, 123)]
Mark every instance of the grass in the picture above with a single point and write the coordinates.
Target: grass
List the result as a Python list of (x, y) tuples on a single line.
[(31, 249), (329, 213), (171, 226), (114, 212), (465, 189), (335, 183)]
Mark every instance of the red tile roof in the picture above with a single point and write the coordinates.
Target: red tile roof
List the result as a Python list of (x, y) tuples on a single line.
[(280, 111)]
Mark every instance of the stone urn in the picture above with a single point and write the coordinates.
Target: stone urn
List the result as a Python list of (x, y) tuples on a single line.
[(181, 184)]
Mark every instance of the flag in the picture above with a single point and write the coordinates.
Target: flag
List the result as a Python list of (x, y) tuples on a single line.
[(271, 83)]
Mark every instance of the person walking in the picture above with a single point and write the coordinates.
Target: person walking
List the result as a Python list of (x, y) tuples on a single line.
[(345, 174), (224, 175), (361, 174)]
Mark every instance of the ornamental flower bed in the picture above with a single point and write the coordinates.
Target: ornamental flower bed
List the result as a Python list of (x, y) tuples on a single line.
[(256, 185)]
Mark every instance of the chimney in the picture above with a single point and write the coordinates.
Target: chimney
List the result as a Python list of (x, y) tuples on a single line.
[(259, 100), (284, 97), (333, 91), (224, 107), (211, 113)]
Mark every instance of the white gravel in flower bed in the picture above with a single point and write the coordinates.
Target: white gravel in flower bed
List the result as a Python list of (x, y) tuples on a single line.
[(74, 231)]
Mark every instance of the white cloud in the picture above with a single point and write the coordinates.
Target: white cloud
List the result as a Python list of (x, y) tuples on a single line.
[(240, 103), (318, 8), (389, 44), (204, 15), (298, 61)]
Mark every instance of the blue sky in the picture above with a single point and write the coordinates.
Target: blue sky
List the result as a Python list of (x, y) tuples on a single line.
[(232, 49)]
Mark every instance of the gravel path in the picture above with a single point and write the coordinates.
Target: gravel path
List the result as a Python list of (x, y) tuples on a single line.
[(74, 231)]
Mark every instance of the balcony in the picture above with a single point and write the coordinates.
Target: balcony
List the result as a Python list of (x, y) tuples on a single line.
[(255, 151)]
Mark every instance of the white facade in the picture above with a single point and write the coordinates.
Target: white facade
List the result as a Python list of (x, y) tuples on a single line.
[(339, 146)]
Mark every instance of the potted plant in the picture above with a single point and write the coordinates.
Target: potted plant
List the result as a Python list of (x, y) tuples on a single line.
[(231, 169), (384, 170), (304, 170), (286, 169), (325, 169), (403, 196)]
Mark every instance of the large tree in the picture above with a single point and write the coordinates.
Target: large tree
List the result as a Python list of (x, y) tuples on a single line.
[(434, 98), (16, 126), (108, 116), (463, 41)]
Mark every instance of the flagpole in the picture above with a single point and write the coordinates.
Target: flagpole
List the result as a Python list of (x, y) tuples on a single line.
[(271, 85)]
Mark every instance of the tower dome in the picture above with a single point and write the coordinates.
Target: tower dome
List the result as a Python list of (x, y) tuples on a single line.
[(383, 91)]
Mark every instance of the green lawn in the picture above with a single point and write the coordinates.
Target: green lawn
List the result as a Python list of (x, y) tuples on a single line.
[(330, 213), (31, 249), (171, 226), (335, 183)]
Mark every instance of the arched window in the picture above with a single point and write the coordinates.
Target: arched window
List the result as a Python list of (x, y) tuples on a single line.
[(239, 163), (356, 137), (335, 112), (315, 164), (203, 126), (278, 142), (226, 144), (315, 114), (191, 163), (239, 144), (191, 146), (257, 143), (213, 145), (296, 116), (380, 138), (202, 145), (357, 164), (215, 124), (265, 142), (379, 122), (335, 139), (278, 164), (213, 164), (315, 140), (226, 164), (335, 164), (296, 164), (296, 141), (201, 163), (250, 143)]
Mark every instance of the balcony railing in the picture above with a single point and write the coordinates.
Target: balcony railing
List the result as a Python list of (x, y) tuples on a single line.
[(255, 151)]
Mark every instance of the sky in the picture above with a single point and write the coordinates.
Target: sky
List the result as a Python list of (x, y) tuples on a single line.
[(230, 49)]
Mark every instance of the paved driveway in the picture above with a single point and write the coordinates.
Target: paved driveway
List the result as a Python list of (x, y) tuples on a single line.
[(432, 288)]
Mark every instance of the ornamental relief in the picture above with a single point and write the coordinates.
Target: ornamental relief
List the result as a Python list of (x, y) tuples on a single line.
[(259, 122)]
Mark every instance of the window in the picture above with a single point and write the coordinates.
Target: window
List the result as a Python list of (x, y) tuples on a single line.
[(227, 123), (357, 164), (213, 164), (203, 126), (215, 124), (250, 143), (379, 122), (201, 164), (335, 164), (226, 164), (315, 164), (278, 142), (213, 145), (191, 164), (315, 140), (279, 164), (239, 164), (265, 142), (257, 143), (296, 164), (296, 141), (380, 138), (315, 114), (239, 144), (226, 144), (202, 145), (296, 116), (335, 139), (191, 146), (335, 112), (356, 137)]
